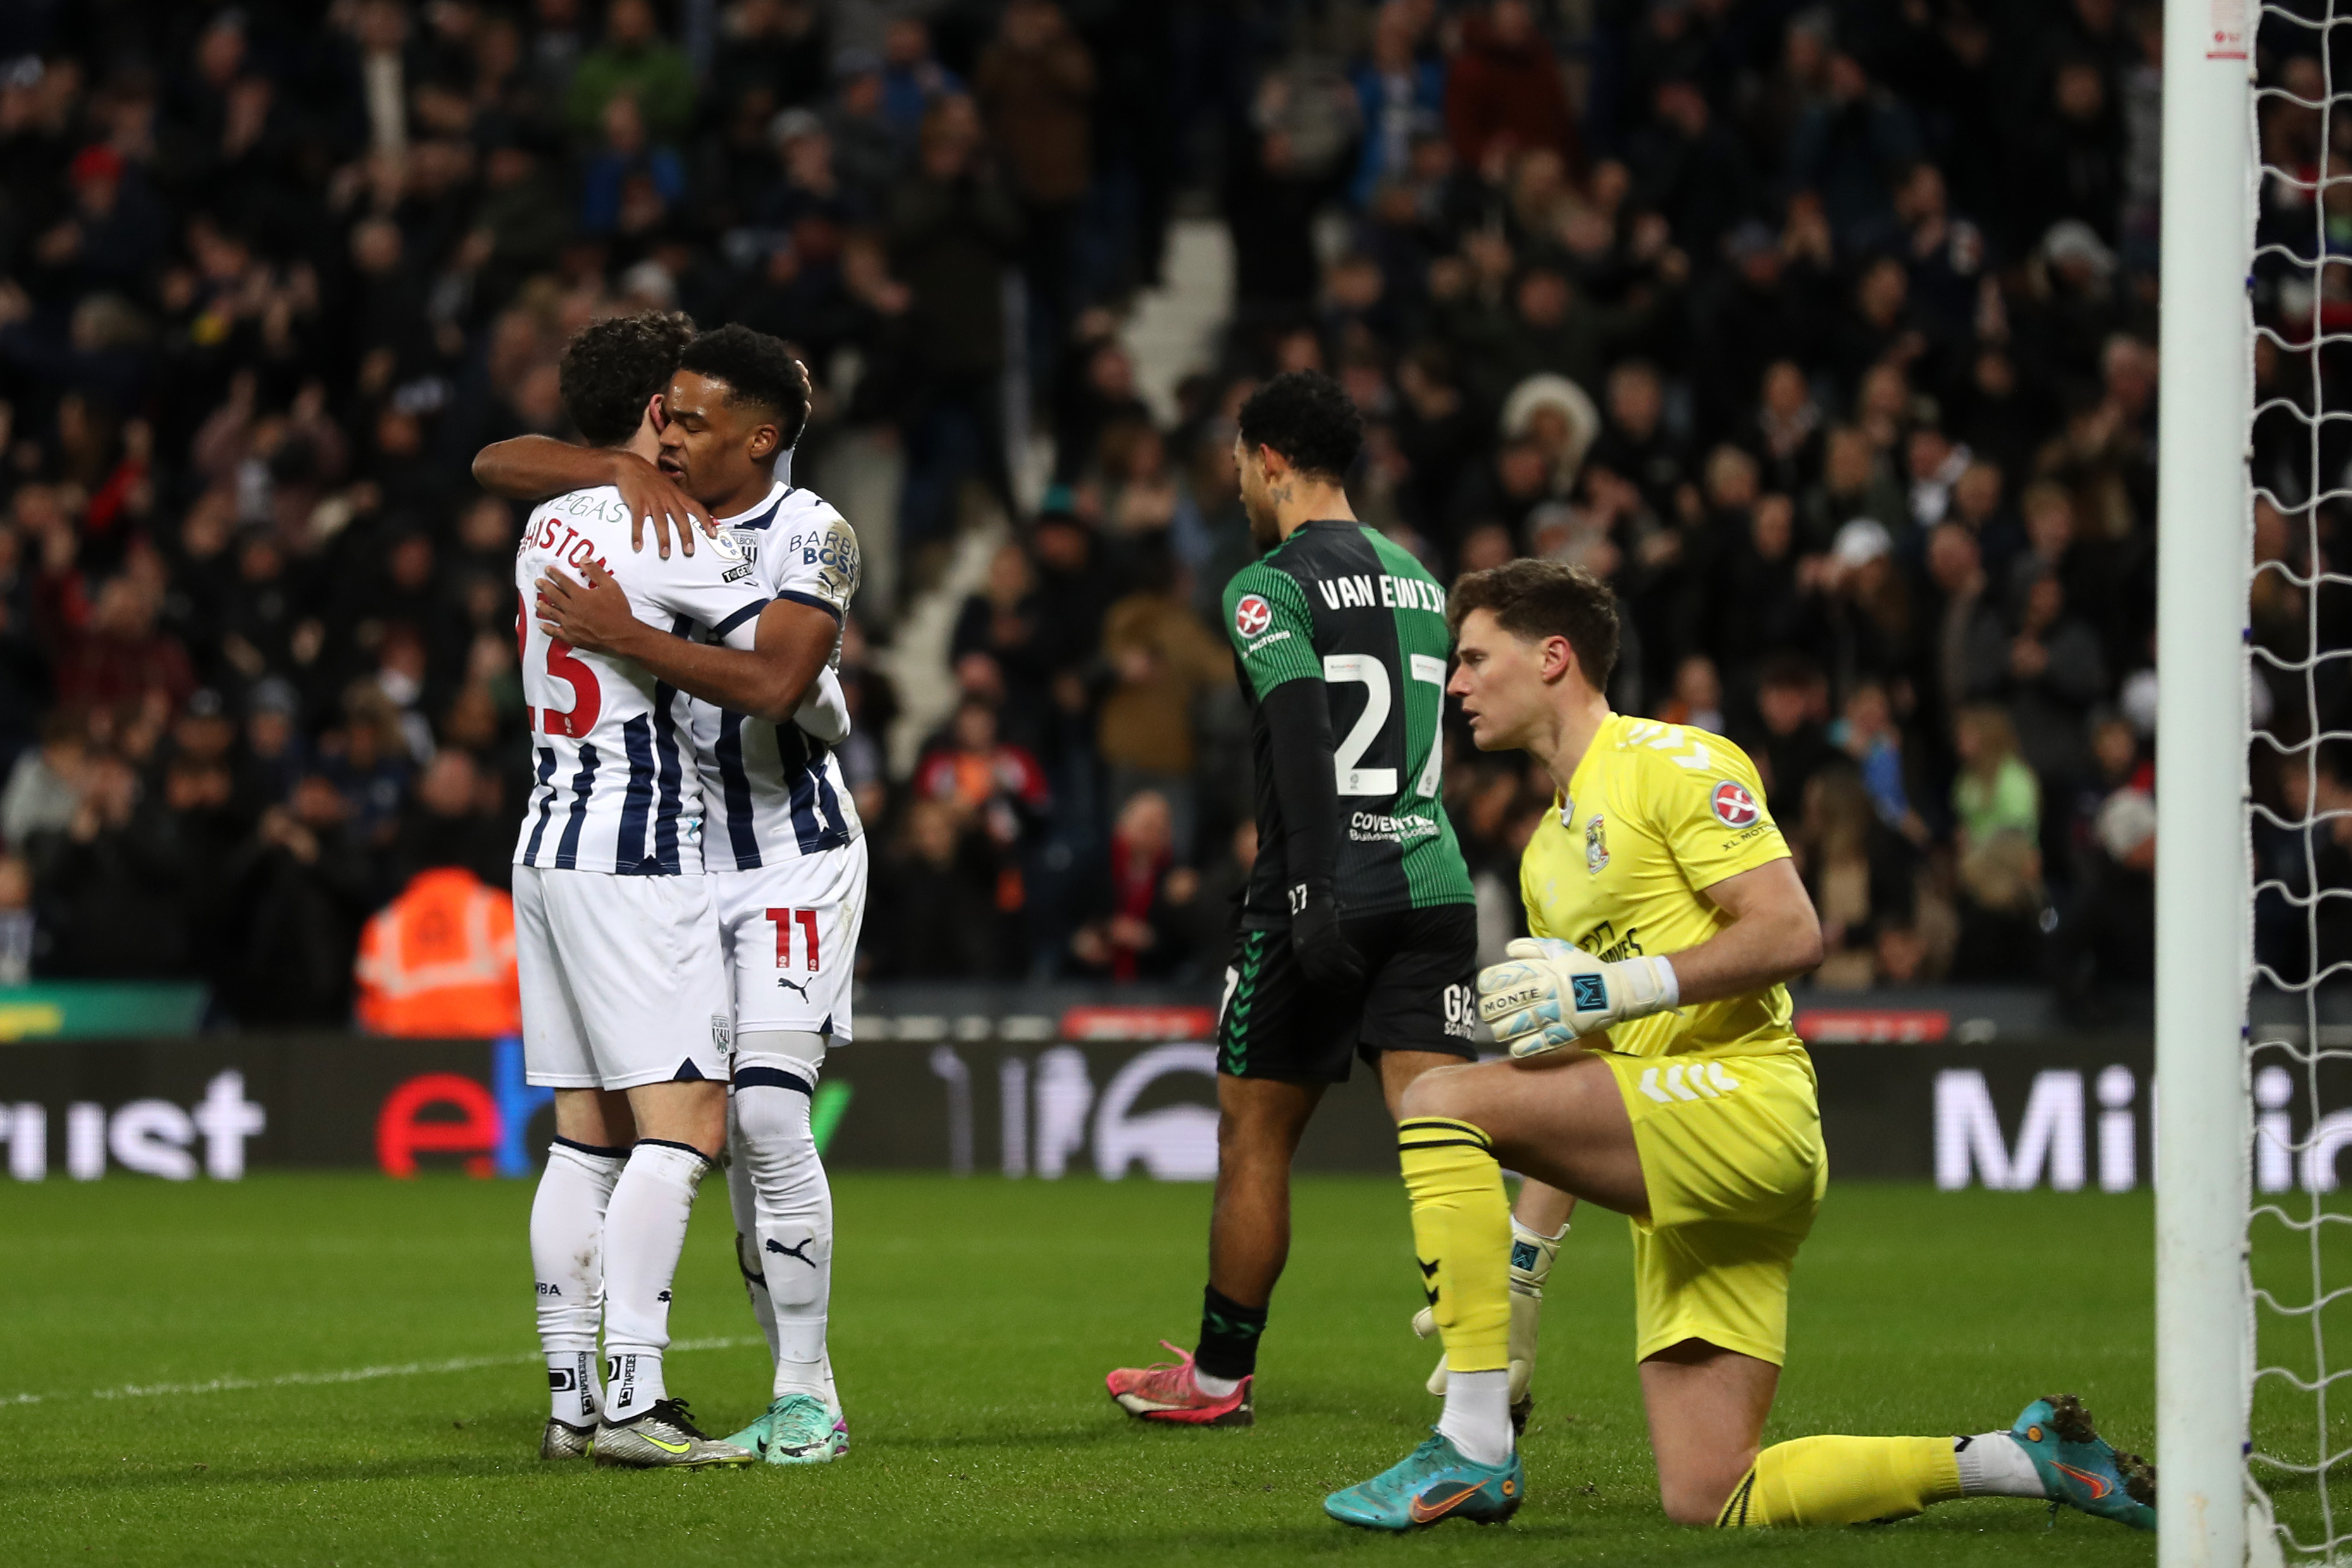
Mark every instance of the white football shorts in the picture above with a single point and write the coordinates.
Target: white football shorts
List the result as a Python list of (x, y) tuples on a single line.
[(790, 936), (622, 984)]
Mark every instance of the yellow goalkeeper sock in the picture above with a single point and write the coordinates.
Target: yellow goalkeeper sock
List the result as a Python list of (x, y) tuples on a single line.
[(1841, 1480), (1462, 1232)]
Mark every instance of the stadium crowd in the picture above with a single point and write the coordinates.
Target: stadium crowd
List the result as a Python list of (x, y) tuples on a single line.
[(1824, 331)]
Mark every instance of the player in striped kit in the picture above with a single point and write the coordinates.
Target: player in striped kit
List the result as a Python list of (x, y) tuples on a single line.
[(785, 851), (626, 1009)]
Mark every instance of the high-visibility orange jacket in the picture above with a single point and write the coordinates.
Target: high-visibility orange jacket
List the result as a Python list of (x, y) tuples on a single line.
[(439, 961)]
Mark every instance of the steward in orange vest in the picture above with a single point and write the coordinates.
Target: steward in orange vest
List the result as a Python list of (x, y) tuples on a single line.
[(438, 961)]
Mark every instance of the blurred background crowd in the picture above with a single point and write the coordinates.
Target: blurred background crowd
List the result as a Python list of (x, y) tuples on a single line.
[(1825, 332)]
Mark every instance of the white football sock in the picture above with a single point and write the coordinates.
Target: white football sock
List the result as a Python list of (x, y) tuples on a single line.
[(775, 1079), (645, 1230), (1994, 1464), (1478, 1418), (740, 1204), (1213, 1387), (567, 1260)]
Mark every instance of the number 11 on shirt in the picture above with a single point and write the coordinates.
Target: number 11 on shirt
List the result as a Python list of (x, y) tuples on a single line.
[(785, 920)]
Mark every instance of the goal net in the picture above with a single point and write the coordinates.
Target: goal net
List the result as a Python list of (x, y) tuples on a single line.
[(2283, 71)]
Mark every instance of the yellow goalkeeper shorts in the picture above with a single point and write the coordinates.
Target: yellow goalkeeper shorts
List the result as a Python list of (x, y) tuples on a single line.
[(1732, 1158)]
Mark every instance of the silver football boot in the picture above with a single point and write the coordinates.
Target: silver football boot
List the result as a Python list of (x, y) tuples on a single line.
[(663, 1436)]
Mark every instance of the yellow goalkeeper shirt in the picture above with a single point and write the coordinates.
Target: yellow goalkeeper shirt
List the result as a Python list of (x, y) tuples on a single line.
[(1655, 814)]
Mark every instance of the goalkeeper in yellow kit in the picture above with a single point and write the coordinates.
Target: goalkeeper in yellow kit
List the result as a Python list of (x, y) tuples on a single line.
[(1654, 1071)]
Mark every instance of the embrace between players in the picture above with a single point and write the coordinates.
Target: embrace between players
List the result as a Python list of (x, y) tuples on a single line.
[(689, 874), (1653, 1067)]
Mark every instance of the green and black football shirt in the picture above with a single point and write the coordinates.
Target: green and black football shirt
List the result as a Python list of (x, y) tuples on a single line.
[(1337, 603)]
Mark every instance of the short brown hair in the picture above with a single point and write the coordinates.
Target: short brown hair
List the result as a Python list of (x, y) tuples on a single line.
[(1546, 598)]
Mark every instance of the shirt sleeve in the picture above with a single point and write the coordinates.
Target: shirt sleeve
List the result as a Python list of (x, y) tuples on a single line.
[(716, 589), (1707, 802), (818, 563), (1272, 633)]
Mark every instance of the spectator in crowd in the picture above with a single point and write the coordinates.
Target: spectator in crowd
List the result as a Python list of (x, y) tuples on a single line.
[(1161, 660), (1035, 87), (438, 961), (1503, 94), (1997, 805), (1862, 876), (952, 229), (634, 63), (45, 788), (1139, 929), (933, 913)]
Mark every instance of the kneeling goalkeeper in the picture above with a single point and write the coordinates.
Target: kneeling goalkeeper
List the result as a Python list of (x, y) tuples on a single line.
[(1655, 1072)]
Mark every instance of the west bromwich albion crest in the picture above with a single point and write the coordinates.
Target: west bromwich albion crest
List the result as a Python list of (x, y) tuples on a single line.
[(1596, 845)]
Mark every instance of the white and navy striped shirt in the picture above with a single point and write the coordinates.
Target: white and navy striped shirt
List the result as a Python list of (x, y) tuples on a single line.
[(775, 791), (613, 787)]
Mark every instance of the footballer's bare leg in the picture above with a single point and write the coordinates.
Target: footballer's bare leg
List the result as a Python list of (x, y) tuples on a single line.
[(693, 1115), (1259, 1123), (1706, 1408), (592, 1133), (681, 1129), (1400, 1070)]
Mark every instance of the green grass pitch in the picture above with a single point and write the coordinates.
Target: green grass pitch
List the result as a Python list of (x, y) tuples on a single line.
[(973, 1323)]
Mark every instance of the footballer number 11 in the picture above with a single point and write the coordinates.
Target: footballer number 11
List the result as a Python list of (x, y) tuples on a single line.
[(783, 920)]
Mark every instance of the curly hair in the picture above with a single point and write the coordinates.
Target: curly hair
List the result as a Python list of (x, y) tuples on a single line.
[(758, 370), (612, 367), (1305, 415)]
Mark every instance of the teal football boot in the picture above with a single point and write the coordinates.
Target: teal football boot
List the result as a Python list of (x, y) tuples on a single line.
[(1434, 1482), (2079, 1467), (801, 1429), (754, 1436)]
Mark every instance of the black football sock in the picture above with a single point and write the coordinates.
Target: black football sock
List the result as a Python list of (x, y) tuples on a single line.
[(1228, 1334)]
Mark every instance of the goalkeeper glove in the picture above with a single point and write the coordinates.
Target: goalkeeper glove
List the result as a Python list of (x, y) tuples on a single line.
[(1553, 993), (1532, 1254)]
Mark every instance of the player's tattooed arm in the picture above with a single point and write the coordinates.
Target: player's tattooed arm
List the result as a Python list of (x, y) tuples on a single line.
[(533, 467), (792, 643)]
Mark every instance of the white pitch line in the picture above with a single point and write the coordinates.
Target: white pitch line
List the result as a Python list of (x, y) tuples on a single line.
[(347, 1374)]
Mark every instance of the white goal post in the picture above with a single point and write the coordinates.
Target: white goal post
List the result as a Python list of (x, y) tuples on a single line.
[(2204, 898)]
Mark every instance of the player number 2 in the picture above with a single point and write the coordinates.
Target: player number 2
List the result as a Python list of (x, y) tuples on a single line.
[(785, 920), (1368, 672)]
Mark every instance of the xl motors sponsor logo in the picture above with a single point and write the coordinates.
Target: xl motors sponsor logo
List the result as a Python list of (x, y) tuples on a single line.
[(151, 1136)]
